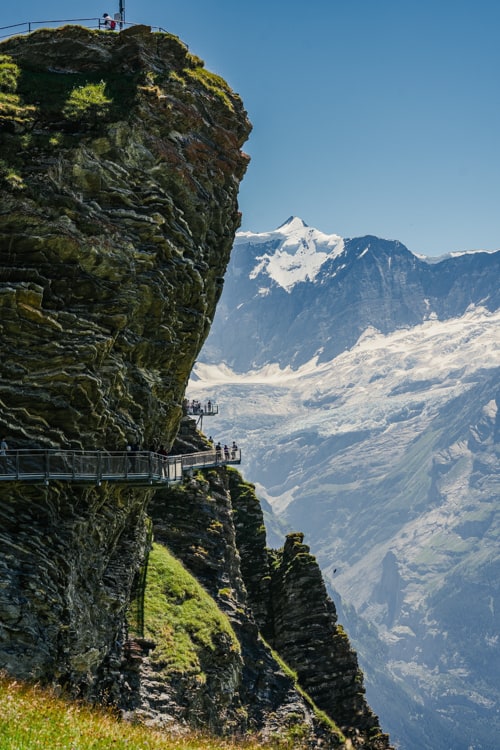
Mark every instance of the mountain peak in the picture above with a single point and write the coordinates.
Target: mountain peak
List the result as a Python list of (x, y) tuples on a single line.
[(290, 254), (293, 223)]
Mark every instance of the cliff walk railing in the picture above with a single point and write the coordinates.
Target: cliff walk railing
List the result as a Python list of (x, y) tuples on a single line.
[(135, 468), (26, 27), (195, 408)]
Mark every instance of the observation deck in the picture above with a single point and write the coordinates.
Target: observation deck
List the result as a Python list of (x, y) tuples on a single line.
[(27, 27)]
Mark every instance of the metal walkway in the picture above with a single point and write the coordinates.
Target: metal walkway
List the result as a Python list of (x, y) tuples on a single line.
[(139, 468)]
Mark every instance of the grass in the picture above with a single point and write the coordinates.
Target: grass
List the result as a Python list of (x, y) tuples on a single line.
[(180, 616), (183, 619), (33, 718), (87, 102), (213, 83), (67, 94), (12, 109)]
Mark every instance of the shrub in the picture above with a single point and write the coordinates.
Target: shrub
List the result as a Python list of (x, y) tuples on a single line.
[(88, 103)]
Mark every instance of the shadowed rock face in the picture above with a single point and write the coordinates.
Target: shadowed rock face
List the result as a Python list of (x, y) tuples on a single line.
[(120, 166), (214, 523)]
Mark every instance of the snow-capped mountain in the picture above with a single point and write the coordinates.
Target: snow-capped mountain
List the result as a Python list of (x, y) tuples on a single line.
[(363, 386), (292, 253), (297, 293)]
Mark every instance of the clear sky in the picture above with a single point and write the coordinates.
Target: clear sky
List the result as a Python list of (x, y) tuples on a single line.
[(370, 116)]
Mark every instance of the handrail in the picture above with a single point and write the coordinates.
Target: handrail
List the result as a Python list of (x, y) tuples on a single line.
[(130, 467), (99, 24), (197, 408), (59, 20), (209, 459)]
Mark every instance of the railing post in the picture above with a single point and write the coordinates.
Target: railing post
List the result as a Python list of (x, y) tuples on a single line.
[(47, 466)]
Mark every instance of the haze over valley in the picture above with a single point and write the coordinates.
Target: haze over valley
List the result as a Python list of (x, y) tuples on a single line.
[(362, 383)]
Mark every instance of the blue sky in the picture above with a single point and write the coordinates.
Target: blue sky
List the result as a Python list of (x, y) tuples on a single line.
[(369, 117)]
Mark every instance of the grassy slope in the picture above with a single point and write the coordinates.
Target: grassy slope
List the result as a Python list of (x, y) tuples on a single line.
[(179, 615), (32, 718)]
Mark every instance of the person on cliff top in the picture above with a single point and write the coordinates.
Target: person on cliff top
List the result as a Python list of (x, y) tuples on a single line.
[(109, 23)]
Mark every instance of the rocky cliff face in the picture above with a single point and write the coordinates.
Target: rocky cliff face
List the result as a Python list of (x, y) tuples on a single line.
[(215, 525), (118, 205), (121, 159), (118, 211)]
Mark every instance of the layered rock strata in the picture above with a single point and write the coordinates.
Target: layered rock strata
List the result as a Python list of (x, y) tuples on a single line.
[(120, 165), (215, 525), (196, 522), (118, 208)]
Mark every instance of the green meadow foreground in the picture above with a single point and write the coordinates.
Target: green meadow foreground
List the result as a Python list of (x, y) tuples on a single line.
[(34, 718)]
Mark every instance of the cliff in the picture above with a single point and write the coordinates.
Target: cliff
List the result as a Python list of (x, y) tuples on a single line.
[(120, 166), (121, 159), (120, 169), (297, 675)]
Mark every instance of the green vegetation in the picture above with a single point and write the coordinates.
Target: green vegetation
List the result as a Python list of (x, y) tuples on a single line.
[(9, 74), (214, 83), (180, 616), (12, 110), (88, 103), (10, 176), (70, 94), (37, 719)]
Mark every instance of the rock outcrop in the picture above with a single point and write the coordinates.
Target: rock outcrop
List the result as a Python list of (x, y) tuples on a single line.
[(278, 606), (121, 160), (118, 212)]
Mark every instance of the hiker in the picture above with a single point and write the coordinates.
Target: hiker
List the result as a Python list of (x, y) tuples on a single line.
[(109, 23)]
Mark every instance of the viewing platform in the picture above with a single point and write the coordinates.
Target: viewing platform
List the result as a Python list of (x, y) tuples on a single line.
[(133, 468), (26, 27), (195, 408)]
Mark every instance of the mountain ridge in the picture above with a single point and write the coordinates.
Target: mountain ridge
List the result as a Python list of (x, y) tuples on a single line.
[(335, 291)]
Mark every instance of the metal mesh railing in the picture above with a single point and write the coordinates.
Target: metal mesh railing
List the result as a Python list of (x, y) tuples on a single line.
[(208, 459), (196, 408), (89, 466), (131, 467)]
